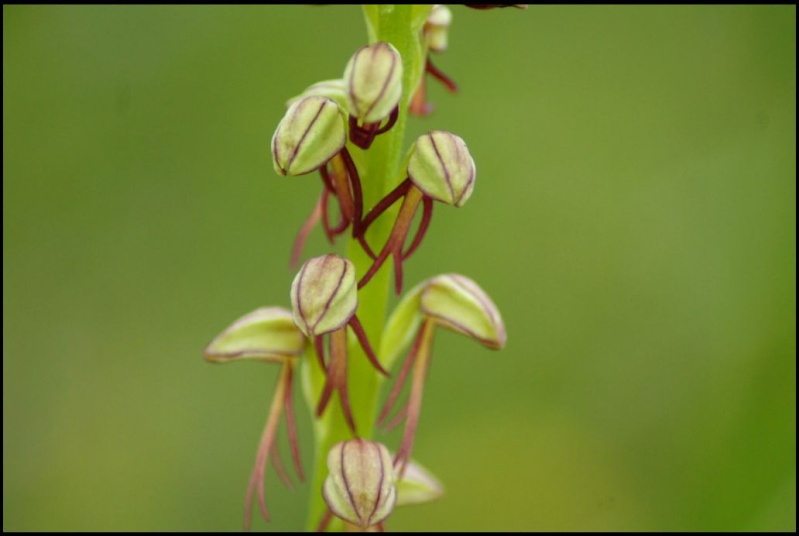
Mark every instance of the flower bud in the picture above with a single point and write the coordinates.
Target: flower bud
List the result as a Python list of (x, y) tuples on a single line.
[(266, 334), (440, 166), (360, 488), (309, 135), (373, 78), (323, 295), (436, 27), (458, 303)]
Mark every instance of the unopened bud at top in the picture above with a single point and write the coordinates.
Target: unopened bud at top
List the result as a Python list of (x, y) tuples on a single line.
[(266, 334), (310, 134), (360, 488), (373, 79), (459, 303), (324, 295), (440, 166), (436, 27)]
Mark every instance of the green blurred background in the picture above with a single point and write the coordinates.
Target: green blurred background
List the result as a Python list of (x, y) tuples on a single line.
[(634, 220)]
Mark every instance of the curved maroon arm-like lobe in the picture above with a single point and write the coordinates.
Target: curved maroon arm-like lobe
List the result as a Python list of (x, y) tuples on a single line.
[(364, 135), (265, 448), (397, 419), (392, 118), (357, 194), (356, 326), (307, 227), (325, 521), (326, 214), (291, 426), (336, 378), (392, 197), (401, 377), (448, 82), (280, 469), (319, 346), (396, 240), (427, 214), (414, 405)]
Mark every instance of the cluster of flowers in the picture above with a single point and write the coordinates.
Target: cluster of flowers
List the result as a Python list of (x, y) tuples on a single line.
[(364, 483)]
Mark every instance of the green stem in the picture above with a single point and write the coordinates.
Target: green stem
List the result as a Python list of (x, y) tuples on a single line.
[(381, 169)]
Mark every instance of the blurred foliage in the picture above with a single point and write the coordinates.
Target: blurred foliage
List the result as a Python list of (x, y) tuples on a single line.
[(634, 220)]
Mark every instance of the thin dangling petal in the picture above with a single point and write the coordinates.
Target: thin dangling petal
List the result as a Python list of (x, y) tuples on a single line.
[(326, 179), (291, 426), (401, 377), (419, 105), (307, 227), (378, 262), (400, 416), (267, 442), (337, 378), (325, 521), (356, 326), (357, 194), (378, 209), (280, 469), (398, 270), (427, 214), (326, 216), (392, 197), (441, 77), (415, 398), (399, 233)]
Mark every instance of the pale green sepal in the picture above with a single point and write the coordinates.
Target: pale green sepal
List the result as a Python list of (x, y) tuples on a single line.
[(440, 166), (311, 133), (266, 334), (418, 486), (324, 295), (459, 303)]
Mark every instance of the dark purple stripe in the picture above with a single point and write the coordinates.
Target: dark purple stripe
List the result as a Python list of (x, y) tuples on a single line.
[(304, 134), (385, 84), (332, 294), (443, 166)]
